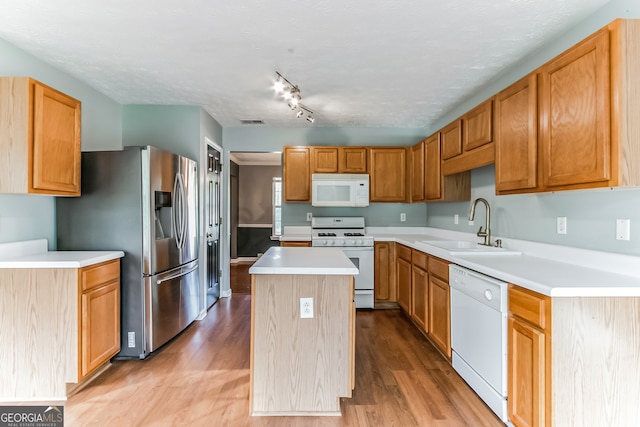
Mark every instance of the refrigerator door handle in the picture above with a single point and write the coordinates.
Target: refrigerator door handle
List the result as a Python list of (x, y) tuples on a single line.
[(179, 210), (176, 275)]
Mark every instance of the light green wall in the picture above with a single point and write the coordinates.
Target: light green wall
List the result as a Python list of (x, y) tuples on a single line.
[(273, 139), (30, 217), (591, 214)]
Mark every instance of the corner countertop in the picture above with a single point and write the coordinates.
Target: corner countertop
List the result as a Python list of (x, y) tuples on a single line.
[(553, 270), (34, 254), (320, 261)]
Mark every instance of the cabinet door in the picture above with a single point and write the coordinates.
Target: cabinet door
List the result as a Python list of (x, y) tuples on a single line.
[(516, 136), (439, 320), (389, 180), (324, 160), (477, 126), (352, 160), (417, 173), (526, 370), (433, 171), (384, 272), (419, 297), (297, 179), (451, 140), (575, 115), (100, 329), (55, 159), (404, 284)]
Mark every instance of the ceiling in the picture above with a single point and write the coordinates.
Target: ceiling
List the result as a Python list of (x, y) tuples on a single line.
[(402, 63)]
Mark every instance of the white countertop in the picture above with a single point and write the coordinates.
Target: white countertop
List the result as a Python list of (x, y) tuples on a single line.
[(34, 254), (552, 270), (323, 261)]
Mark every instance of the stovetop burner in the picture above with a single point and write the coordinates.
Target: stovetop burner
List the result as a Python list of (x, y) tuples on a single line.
[(354, 234), (327, 234)]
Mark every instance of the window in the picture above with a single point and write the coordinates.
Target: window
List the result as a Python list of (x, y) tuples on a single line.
[(276, 187)]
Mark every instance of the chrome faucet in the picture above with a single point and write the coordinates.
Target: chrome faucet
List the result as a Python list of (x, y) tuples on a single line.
[(487, 231)]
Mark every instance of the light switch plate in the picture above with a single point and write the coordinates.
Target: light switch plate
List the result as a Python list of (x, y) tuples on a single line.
[(623, 229)]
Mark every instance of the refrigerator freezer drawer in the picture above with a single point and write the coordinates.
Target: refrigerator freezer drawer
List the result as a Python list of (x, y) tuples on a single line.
[(172, 304)]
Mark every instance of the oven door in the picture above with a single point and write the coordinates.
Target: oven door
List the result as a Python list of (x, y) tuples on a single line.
[(362, 258)]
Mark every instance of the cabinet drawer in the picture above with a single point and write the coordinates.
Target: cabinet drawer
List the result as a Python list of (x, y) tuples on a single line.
[(403, 252), (98, 274), (530, 306), (439, 267), (420, 259)]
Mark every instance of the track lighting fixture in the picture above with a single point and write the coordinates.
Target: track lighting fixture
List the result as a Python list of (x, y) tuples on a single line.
[(292, 97)]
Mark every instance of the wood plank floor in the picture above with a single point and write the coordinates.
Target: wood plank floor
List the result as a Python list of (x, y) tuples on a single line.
[(201, 378)]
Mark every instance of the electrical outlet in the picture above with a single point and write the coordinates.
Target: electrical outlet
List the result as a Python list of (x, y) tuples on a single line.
[(309, 216), (456, 219), (306, 308), (403, 217), (131, 339), (561, 225), (623, 229)]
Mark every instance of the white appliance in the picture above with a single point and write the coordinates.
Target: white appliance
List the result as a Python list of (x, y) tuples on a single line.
[(348, 233), (339, 189), (479, 335)]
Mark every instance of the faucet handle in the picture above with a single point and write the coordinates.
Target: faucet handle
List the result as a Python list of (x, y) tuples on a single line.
[(481, 233)]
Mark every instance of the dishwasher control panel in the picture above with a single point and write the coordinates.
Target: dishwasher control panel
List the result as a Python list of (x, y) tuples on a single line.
[(484, 289)]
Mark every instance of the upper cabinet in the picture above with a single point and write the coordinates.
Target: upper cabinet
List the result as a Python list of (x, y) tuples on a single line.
[(296, 175), (389, 180), (516, 136), (575, 96), (576, 129), (439, 188), (467, 143), (338, 159), (417, 173), (39, 139)]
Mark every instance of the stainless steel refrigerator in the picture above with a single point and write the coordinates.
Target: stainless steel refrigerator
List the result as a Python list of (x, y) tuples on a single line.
[(143, 201)]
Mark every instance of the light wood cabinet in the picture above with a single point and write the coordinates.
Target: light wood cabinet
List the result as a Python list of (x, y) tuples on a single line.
[(439, 305), (585, 135), (352, 160), (516, 136), (295, 244), (471, 145), (296, 174), (529, 358), (403, 277), (420, 289), (338, 160), (575, 97), (389, 180), (440, 188), (384, 275), (40, 131), (418, 172), (66, 320), (100, 315)]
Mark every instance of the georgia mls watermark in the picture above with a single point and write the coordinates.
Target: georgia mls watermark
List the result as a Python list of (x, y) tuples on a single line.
[(31, 416)]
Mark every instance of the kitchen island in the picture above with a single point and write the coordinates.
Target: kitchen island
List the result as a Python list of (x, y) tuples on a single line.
[(302, 331)]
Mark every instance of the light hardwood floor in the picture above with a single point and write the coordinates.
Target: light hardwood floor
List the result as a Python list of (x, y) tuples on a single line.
[(201, 378)]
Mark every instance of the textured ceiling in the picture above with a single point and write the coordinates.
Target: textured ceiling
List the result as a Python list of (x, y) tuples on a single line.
[(401, 63)]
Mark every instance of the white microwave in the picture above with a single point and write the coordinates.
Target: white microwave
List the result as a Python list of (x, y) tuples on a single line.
[(339, 189)]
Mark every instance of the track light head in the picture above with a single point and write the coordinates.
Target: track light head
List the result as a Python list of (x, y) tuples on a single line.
[(300, 114), (291, 95), (310, 119)]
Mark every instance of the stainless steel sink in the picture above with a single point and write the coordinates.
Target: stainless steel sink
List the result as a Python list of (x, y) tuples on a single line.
[(464, 247)]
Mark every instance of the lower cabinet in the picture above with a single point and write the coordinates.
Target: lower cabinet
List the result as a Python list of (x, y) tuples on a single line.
[(384, 275), (439, 305), (403, 277), (99, 315), (420, 289), (529, 358)]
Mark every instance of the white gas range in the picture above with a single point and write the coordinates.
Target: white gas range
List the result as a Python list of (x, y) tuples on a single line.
[(349, 234)]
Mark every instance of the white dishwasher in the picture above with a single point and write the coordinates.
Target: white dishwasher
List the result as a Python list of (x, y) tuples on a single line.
[(479, 335)]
